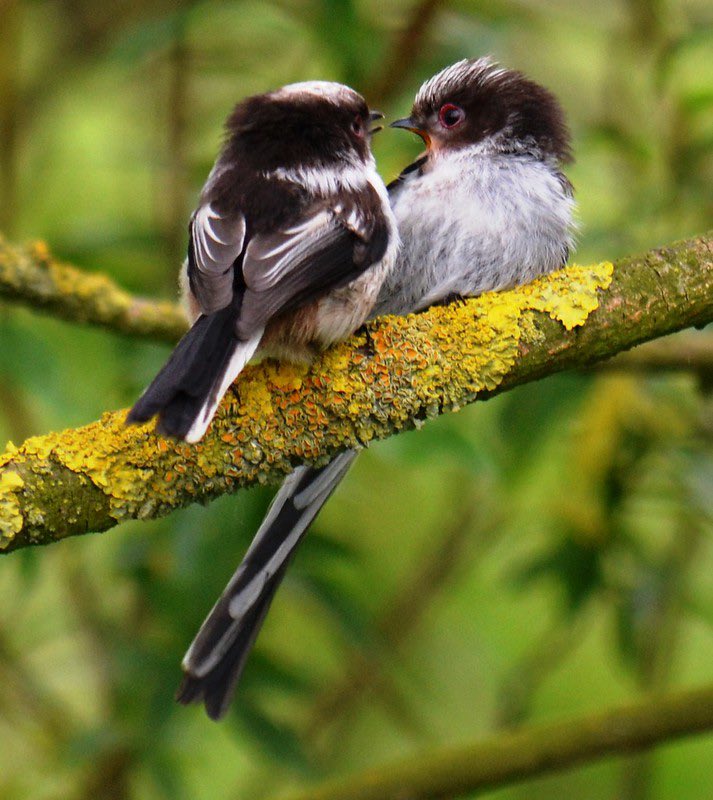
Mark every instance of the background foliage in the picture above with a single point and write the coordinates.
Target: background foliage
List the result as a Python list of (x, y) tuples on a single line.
[(545, 553)]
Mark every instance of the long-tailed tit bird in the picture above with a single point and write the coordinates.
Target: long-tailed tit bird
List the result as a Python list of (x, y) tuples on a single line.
[(486, 207), (288, 247)]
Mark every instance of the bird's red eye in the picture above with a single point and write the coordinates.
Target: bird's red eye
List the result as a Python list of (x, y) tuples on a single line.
[(451, 115), (358, 127)]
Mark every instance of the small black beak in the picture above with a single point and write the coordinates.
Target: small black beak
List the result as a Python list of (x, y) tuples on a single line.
[(410, 124), (373, 117), (407, 123)]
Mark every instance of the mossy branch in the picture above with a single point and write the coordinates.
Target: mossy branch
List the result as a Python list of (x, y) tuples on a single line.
[(391, 378), (529, 752), (30, 275)]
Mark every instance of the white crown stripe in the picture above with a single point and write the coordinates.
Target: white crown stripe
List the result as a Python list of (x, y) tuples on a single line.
[(333, 92), (466, 71)]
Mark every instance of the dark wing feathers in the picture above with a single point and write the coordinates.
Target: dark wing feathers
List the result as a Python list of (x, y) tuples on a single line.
[(241, 282), (329, 245), (216, 242), (311, 274), (326, 249), (269, 257), (368, 224)]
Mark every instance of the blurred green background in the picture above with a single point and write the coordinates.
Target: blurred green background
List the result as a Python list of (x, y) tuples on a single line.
[(543, 554)]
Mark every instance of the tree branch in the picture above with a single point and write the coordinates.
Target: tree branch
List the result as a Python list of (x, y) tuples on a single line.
[(528, 752), (30, 275), (404, 371)]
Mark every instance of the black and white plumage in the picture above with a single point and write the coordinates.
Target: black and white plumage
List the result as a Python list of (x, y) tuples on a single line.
[(287, 248), (217, 655), (485, 208)]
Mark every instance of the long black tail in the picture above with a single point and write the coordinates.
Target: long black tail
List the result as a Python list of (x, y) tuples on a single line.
[(186, 392), (217, 656)]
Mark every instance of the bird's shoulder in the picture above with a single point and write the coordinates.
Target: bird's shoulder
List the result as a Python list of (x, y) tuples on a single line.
[(409, 173)]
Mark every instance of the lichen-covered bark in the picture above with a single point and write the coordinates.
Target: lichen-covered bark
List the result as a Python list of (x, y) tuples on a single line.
[(400, 373), (30, 275), (527, 753)]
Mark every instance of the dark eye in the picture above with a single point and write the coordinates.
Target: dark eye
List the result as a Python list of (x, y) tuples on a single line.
[(451, 115), (358, 127)]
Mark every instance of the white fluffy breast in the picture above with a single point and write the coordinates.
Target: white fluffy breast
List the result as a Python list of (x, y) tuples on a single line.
[(473, 223)]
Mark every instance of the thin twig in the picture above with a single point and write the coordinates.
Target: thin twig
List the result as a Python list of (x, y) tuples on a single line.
[(30, 275), (527, 753)]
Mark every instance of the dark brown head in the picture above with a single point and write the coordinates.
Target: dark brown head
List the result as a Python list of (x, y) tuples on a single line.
[(308, 125), (477, 101)]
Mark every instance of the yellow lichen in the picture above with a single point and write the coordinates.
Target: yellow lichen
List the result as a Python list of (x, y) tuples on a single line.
[(405, 370), (30, 274), (451, 354), (11, 520), (40, 251), (570, 295)]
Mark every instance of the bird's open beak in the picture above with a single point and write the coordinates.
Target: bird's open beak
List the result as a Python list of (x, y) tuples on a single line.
[(408, 124), (373, 117)]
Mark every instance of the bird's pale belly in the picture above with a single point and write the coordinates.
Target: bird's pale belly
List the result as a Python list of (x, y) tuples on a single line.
[(300, 335)]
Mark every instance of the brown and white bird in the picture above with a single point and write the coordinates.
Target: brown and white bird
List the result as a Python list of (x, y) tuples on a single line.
[(486, 207), (288, 247)]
